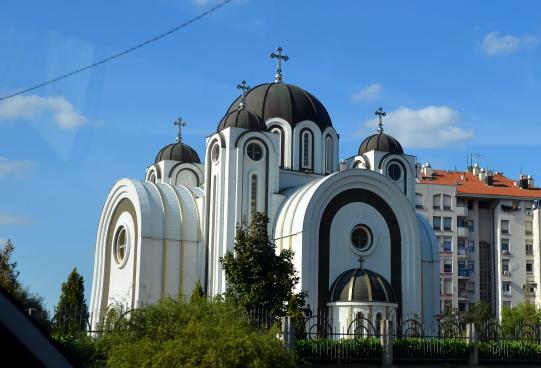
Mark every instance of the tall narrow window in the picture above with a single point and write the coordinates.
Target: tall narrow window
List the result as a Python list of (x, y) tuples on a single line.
[(436, 201), (328, 155), (253, 196), (306, 153), (446, 202), (281, 148), (419, 201), (504, 226)]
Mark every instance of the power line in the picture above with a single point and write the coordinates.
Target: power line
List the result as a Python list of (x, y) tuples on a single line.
[(122, 53)]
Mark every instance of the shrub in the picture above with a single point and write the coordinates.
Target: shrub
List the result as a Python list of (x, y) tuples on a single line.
[(342, 349), (519, 350), (432, 349), (81, 349), (197, 334)]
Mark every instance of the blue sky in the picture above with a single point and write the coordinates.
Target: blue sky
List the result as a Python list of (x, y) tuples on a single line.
[(455, 77)]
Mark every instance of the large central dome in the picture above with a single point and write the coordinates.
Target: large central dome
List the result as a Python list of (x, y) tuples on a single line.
[(286, 101)]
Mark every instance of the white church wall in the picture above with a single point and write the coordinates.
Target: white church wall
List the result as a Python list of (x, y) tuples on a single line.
[(290, 179)]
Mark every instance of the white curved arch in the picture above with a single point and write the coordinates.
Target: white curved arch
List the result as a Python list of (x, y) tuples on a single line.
[(288, 141)]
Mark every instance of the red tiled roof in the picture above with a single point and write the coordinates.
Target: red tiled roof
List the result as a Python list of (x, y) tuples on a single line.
[(467, 183)]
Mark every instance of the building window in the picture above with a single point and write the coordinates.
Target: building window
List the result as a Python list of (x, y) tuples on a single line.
[(361, 238), (215, 153), (447, 244), (471, 246), (447, 287), (120, 245), (394, 172), (460, 202), (436, 201), (505, 267), (306, 138), (328, 155), (529, 267), (505, 246), (254, 151), (470, 225), (506, 287), (446, 202), (447, 223), (462, 307), (461, 249), (447, 265), (528, 227), (253, 195), (152, 178), (281, 145), (436, 222), (419, 200), (504, 225), (529, 249)]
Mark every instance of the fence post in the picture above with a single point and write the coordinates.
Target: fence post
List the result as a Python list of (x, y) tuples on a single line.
[(471, 333), (386, 337), (288, 333)]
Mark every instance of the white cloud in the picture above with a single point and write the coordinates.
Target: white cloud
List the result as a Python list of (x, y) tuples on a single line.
[(495, 44), (368, 93), (7, 219), (429, 127), (30, 107), (9, 166)]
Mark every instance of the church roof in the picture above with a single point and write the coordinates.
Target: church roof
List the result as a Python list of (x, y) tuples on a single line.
[(178, 152), (468, 184), (242, 118), (361, 285), (286, 101), (381, 142)]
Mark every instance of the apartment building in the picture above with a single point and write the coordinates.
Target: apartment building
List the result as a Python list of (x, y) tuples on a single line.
[(488, 227)]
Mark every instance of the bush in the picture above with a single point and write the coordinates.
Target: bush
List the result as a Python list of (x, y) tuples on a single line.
[(81, 349), (197, 334), (433, 349), (518, 350), (342, 349)]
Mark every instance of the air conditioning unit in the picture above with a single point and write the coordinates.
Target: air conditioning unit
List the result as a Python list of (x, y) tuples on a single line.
[(505, 251), (506, 273)]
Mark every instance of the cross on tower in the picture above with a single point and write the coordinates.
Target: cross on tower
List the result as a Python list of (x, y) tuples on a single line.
[(180, 123), (280, 57), (380, 113), (245, 88)]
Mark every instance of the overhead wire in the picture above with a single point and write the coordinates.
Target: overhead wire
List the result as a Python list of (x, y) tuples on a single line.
[(122, 53)]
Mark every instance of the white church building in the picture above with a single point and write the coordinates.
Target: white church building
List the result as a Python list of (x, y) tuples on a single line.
[(359, 246)]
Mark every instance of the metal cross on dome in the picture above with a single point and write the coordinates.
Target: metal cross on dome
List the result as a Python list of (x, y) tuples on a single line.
[(380, 113), (180, 123), (279, 57), (245, 88)]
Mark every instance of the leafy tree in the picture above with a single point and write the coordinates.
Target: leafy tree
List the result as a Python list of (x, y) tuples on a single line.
[(197, 293), (71, 311), (203, 333), (258, 277), (522, 314), (9, 281), (479, 314)]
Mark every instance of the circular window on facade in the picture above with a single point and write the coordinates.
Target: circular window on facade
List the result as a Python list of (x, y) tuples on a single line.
[(254, 151), (215, 153), (120, 245), (361, 238), (394, 172)]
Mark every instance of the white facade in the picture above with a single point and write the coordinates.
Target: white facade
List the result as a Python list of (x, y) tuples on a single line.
[(159, 236)]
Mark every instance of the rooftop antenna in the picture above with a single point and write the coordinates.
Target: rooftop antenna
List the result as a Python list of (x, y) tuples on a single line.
[(278, 55), (180, 123)]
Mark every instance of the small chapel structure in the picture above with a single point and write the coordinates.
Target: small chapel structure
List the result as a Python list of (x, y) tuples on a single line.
[(359, 246)]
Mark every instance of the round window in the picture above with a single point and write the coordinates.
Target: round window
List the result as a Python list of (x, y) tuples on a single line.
[(394, 172), (254, 151), (120, 245), (215, 153), (361, 238)]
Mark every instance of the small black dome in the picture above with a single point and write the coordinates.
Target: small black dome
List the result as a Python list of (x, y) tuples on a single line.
[(286, 101), (242, 118), (178, 152), (381, 142), (361, 285)]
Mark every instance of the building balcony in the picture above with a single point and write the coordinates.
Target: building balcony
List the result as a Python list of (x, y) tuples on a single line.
[(506, 273), (463, 273), (462, 232), (463, 294), (462, 252), (461, 211)]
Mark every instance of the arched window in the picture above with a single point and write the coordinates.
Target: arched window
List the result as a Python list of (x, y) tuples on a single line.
[(253, 195), (306, 153), (152, 178), (328, 155), (278, 131)]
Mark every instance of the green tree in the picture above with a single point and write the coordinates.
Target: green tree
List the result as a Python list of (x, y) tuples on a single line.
[(9, 281), (206, 333), (72, 311), (197, 293), (258, 277), (479, 314), (522, 314)]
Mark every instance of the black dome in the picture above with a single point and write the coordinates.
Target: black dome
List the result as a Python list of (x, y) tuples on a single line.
[(242, 118), (286, 101), (361, 285), (178, 152), (381, 142)]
